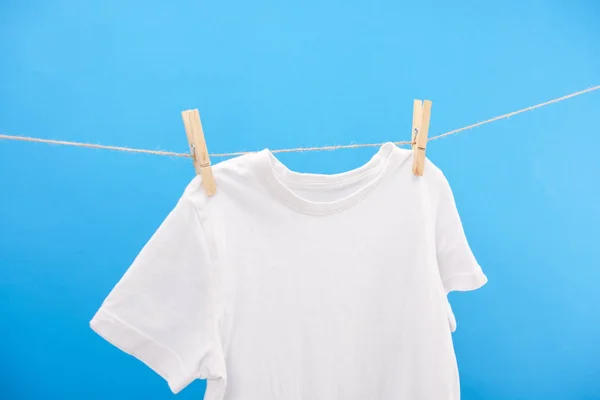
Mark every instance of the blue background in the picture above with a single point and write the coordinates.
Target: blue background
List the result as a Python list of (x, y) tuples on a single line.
[(281, 74)]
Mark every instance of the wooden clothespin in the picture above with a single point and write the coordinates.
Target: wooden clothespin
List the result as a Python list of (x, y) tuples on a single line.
[(195, 136), (420, 130)]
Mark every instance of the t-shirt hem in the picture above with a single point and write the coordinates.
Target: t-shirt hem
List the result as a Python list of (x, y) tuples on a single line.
[(159, 358), (465, 282)]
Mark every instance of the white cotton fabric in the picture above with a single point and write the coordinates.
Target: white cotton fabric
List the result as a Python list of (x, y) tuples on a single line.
[(292, 286)]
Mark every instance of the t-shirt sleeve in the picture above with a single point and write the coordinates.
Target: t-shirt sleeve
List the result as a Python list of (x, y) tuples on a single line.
[(165, 309), (458, 268)]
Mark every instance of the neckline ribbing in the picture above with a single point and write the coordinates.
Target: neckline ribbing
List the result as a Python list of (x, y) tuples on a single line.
[(280, 179)]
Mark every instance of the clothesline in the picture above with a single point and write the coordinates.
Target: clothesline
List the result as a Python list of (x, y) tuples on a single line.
[(297, 149)]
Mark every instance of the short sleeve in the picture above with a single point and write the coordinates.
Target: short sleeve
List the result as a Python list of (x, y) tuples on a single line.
[(165, 309), (459, 270)]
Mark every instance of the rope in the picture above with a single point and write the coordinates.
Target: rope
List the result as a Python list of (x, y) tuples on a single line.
[(297, 149)]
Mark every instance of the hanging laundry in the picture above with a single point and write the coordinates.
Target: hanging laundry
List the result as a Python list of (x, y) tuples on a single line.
[(295, 286)]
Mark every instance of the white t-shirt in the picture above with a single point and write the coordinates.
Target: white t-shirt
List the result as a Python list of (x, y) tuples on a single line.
[(293, 286)]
